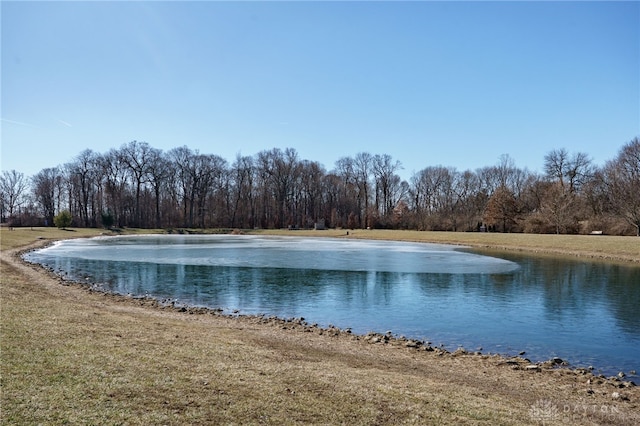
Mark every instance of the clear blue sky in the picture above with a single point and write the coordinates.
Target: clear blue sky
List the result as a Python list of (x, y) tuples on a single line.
[(430, 83)]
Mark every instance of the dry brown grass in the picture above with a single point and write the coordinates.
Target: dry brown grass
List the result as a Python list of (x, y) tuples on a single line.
[(20, 237), (604, 247), (70, 356)]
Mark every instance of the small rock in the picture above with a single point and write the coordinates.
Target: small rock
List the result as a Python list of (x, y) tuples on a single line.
[(621, 374), (521, 353), (619, 396), (557, 360), (532, 367)]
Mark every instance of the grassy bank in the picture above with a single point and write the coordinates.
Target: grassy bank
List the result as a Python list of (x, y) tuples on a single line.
[(70, 356), (587, 246)]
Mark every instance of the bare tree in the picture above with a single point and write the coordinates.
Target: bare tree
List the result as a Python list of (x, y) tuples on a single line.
[(579, 171), (571, 171), (471, 203), (555, 165), (138, 158), (434, 197), (559, 208), (82, 176), (597, 203), (344, 193), (310, 192), (506, 172), (209, 171), (115, 186), (622, 177), (242, 192), (384, 171), (280, 170), (158, 172), (563, 203), (184, 178), (13, 186), (47, 192), (362, 167)]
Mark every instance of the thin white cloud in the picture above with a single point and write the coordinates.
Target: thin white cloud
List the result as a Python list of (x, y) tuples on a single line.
[(64, 123), (17, 123)]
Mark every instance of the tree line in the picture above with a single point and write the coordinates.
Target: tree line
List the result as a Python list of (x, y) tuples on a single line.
[(140, 186)]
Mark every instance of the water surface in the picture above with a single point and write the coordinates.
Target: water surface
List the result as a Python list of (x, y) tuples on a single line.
[(584, 312)]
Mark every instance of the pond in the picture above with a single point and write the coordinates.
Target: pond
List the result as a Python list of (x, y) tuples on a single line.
[(587, 313)]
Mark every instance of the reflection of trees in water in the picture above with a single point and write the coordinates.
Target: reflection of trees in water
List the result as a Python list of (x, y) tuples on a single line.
[(269, 289), (567, 290), (585, 289), (436, 284), (623, 298), (495, 288), (580, 289)]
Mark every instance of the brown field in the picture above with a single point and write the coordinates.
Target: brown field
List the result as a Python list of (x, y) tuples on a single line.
[(604, 247), (71, 356)]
